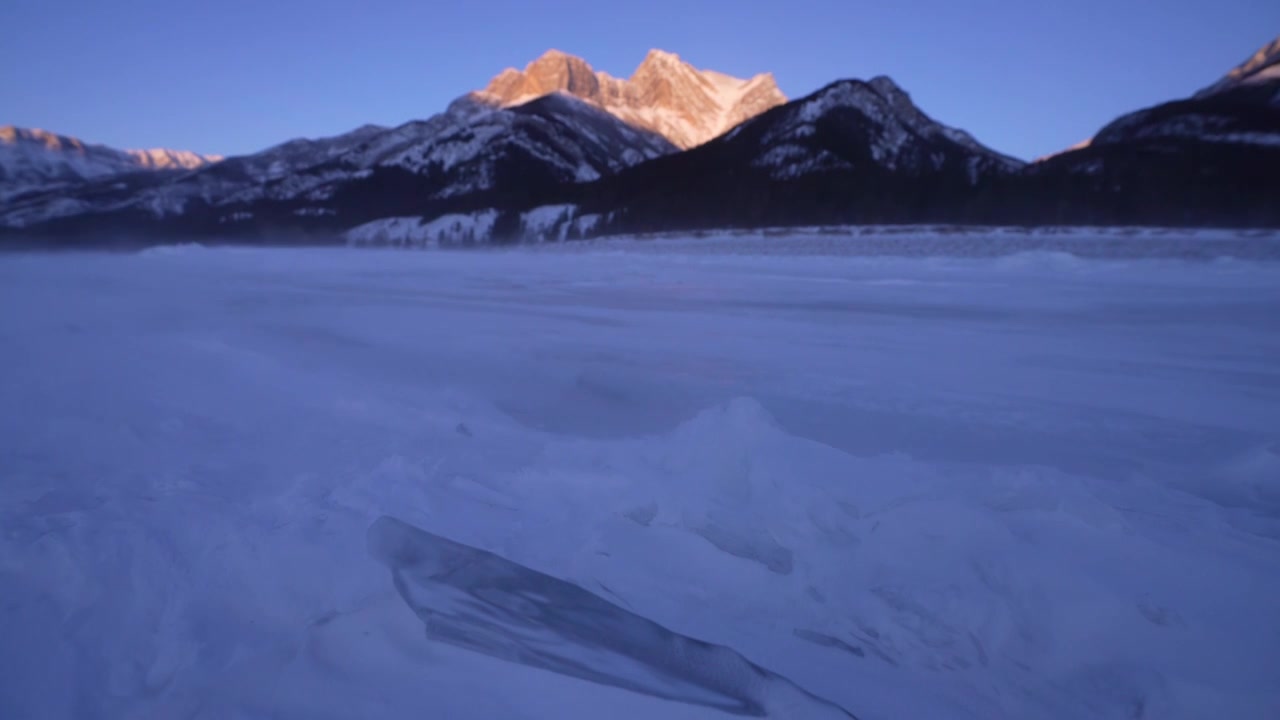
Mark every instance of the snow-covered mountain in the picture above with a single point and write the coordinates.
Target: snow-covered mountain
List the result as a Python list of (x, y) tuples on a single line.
[(295, 155), (1205, 160), (560, 150), (852, 152), (32, 160), (1198, 121), (165, 159), (1243, 108), (1232, 111), (1260, 72), (373, 172), (852, 124), (469, 149), (665, 95), (574, 140), (242, 177)]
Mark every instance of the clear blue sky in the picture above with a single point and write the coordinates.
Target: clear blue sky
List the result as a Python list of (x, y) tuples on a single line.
[(1027, 77)]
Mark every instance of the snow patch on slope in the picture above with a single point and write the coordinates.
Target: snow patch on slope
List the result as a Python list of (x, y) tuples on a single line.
[(32, 214), (456, 229), (548, 222)]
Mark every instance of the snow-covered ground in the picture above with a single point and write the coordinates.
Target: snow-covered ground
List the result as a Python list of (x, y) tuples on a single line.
[(1023, 487)]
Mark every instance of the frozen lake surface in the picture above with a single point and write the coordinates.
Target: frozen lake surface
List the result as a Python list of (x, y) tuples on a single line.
[(671, 483)]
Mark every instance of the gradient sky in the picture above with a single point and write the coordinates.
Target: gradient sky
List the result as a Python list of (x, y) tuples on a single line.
[(235, 76)]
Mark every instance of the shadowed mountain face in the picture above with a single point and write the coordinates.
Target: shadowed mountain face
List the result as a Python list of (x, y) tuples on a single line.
[(665, 95), (1243, 108), (479, 601), (852, 152), (1254, 83), (1205, 160)]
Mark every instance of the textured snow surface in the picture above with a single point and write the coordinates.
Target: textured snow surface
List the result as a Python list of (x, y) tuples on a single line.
[(1032, 486)]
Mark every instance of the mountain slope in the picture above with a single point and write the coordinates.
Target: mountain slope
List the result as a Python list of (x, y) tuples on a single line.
[(1259, 76), (470, 150), (1205, 160), (665, 94), (1232, 110), (1241, 108), (852, 152), (33, 160), (876, 118)]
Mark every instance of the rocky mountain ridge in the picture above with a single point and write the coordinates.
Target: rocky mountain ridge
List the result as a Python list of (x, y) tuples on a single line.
[(665, 94)]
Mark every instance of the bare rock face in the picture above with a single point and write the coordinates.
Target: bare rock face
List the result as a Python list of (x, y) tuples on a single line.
[(554, 71), (665, 94)]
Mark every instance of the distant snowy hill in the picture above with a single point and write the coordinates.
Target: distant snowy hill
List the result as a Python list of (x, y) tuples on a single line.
[(32, 159), (665, 95)]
